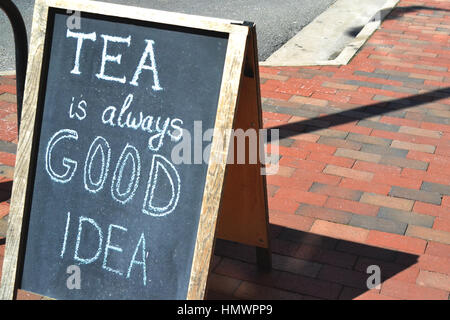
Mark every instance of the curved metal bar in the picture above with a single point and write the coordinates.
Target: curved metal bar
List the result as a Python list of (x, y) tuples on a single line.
[(21, 45)]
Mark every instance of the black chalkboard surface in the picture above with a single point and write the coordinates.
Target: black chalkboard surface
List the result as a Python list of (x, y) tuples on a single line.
[(107, 196)]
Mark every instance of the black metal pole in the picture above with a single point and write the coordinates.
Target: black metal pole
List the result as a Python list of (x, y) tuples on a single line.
[(21, 45)]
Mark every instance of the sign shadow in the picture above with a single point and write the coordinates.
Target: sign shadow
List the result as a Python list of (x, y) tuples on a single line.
[(305, 266)]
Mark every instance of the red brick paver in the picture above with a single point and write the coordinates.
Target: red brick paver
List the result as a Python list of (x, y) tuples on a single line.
[(381, 128)]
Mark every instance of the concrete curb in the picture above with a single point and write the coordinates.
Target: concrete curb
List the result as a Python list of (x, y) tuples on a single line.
[(8, 73), (349, 50)]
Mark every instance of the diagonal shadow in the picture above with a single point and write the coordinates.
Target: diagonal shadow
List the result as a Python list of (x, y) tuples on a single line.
[(305, 266), (396, 13), (359, 113)]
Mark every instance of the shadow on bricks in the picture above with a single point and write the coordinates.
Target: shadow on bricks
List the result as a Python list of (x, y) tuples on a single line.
[(305, 266), (400, 11), (397, 13), (357, 114)]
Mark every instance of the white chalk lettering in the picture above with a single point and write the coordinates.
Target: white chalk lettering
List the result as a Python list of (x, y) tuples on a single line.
[(148, 53), (69, 164), (142, 263), (125, 106), (133, 124), (112, 252), (81, 107), (147, 124), (126, 119), (80, 38), (77, 246), (129, 152), (99, 145), (159, 162), (106, 57), (126, 176), (111, 110), (159, 136), (108, 246), (63, 250)]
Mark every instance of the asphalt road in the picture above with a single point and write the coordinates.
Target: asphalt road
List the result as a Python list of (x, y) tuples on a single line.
[(276, 22)]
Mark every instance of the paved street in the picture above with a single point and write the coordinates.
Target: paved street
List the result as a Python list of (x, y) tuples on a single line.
[(7, 56), (275, 24)]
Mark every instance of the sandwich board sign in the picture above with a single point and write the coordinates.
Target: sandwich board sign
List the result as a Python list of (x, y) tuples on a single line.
[(97, 190)]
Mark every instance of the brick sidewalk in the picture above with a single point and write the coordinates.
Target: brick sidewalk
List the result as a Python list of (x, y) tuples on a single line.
[(364, 171)]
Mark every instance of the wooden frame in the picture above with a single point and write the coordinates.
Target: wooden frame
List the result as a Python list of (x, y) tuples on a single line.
[(248, 202), (232, 75)]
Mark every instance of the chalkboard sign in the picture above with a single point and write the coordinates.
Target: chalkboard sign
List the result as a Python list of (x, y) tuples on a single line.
[(103, 206)]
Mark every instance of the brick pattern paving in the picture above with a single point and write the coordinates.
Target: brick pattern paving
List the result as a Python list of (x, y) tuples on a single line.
[(364, 173)]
